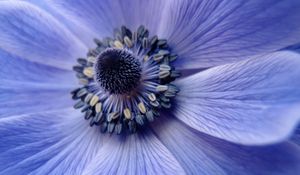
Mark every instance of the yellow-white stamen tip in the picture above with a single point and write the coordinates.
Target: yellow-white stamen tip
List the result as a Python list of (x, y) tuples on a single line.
[(94, 100), (111, 116), (118, 44), (152, 97), (114, 115), (161, 88), (146, 58), (91, 59), (88, 97), (142, 107), (89, 72), (128, 41), (83, 81), (127, 113), (98, 107)]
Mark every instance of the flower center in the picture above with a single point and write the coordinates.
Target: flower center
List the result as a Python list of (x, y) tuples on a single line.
[(117, 71), (125, 81)]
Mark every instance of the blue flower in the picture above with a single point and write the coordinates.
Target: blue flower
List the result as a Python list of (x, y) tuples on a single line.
[(238, 104)]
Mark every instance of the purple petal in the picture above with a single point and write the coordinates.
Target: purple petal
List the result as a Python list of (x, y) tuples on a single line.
[(199, 153), (102, 17), (256, 101), (47, 143), (74, 25), (17, 101), (16, 69), (210, 33), (28, 87), (135, 154), (296, 136), (31, 33), (295, 48)]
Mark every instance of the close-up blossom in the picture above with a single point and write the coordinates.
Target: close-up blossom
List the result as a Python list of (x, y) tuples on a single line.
[(169, 87)]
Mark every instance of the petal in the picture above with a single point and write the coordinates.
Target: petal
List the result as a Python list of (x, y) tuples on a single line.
[(296, 136), (102, 18), (27, 87), (31, 33), (210, 33), (295, 47), (256, 101), (136, 154), (47, 143), (19, 70), (17, 101), (199, 153), (74, 26)]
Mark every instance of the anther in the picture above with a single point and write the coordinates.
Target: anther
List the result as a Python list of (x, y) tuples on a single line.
[(98, 117), (146, 58), (142, 107), (94, 100), (139, 119), (127, 113), (118, 44), (127, 41), (145, 43), (161, 88), (158, 57), (118, 128), (152, 97), (88, 114), (164, 74), (81, 92), (110, 127), (111, 116), (98, 107), (82, 61), (164, 67), (88, 98), (89, 72), (128, 67), (83, 81), (78, 105), (91, 59), (150, 116)]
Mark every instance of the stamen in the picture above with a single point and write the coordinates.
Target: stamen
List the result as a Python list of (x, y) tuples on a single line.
[(152, 97), (94, 100), (126, 80), (89, 72), (98, 107), (127, 113), (142, 107), (161, 88)]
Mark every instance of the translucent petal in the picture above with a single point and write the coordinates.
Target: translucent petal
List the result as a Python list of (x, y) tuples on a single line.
[(79, 30), (135, 154), (19, 70), (210, 33), (17, 101), (296, 136), (256, 101), (199, 153), (47, 143), (31, 33), (102, 18), (28, 87)]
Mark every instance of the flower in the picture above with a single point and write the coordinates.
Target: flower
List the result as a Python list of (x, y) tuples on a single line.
[(238, 102)]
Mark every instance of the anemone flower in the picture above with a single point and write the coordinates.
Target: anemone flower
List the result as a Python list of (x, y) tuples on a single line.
[(149, 87)]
